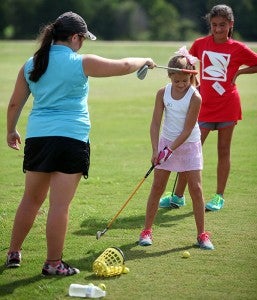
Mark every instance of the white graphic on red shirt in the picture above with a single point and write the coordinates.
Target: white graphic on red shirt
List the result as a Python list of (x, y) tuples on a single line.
[(215, 65)]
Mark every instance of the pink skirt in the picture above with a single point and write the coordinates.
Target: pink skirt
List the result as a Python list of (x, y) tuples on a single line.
[(187, 157)]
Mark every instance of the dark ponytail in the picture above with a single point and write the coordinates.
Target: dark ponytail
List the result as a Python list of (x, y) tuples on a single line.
[(41, 57), (62, 29)]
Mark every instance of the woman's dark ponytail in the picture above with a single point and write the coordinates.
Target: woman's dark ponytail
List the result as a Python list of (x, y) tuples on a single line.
[(41, 57), (62, 29)]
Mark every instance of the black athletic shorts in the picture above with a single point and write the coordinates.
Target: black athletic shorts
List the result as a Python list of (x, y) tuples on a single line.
[(56, 154)]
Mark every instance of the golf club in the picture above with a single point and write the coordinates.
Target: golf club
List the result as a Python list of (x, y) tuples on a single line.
[(173, 205), (141, 73), (100, 233)]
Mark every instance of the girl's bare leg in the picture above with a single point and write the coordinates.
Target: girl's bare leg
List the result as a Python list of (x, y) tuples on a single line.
[(223, 167), (194, 179), (159, 184)]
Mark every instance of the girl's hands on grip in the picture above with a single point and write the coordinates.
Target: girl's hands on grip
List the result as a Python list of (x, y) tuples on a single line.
[(164, 155)]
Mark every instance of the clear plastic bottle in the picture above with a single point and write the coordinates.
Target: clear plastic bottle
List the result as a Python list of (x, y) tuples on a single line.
[(86, 291)]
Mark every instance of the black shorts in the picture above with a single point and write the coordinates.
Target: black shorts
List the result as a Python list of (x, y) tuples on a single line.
[(56, 154)]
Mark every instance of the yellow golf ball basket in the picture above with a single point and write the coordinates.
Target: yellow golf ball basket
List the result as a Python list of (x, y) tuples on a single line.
[(109, 263)]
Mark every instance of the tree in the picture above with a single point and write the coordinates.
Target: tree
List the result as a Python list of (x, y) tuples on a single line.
[(126, 19)]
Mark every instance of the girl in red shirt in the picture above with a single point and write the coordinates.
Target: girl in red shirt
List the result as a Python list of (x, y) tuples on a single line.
[(220, 60)]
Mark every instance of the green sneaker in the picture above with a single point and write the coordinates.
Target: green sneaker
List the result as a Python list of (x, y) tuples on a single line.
[(216, 203), (169, 201)]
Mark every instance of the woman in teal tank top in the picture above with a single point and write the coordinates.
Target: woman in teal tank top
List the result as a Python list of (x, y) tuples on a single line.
[(57, 149)]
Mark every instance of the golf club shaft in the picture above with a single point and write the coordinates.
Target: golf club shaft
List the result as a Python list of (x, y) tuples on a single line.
[(178, 70), (100, 233), (127, 201), (131, 195), (174, 185), (141, 73)]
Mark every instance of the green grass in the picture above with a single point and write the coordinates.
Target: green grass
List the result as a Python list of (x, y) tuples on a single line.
[(121, 110)]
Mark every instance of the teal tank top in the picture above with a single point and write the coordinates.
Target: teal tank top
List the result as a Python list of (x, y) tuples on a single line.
[(60, 105)]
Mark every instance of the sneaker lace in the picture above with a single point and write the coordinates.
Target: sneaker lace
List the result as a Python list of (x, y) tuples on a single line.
[(69, 270), (65, 265), (216, 199), (205, 236), (146, 233), (14, 256)]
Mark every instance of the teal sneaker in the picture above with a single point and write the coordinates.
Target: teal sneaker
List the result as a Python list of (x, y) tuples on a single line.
[(216, 203), (204, 242), (174, 201), (145, 238)]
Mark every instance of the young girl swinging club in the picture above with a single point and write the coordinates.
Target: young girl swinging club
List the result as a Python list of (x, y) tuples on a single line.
[(178, 147)]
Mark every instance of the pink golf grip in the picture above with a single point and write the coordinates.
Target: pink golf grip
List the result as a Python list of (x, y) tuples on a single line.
[(164, 155)]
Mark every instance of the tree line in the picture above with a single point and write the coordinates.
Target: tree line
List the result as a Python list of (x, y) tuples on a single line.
[(159, 20)]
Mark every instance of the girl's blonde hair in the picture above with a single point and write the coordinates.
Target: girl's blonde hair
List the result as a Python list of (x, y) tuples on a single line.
[(181, 62)]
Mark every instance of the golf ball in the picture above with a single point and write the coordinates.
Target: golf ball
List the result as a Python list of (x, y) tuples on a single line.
[(186, 254), (125, 270), (102, 286)]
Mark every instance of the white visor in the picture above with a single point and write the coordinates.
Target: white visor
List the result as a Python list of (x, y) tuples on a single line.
[(90, 36)]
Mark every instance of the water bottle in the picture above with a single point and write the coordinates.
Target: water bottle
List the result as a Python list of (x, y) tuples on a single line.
[(86, 291)]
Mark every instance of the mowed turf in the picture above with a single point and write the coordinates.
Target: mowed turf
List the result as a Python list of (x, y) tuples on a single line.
[(121, 110)]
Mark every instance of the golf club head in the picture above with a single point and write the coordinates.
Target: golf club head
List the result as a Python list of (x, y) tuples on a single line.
[(100, 233), (141, 73)]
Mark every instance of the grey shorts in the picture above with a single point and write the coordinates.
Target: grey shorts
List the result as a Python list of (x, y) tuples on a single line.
[(56, 154), (216, 125)]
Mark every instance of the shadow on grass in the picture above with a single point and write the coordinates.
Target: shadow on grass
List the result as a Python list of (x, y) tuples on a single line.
[(164, 218), (132, 253), (9, 288), (90, 226)]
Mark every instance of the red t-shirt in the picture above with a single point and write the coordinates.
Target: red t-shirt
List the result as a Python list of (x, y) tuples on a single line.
[(218, 65)]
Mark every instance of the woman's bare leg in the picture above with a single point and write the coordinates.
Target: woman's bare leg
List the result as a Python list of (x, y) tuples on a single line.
[(36, 188), (62, 190)]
